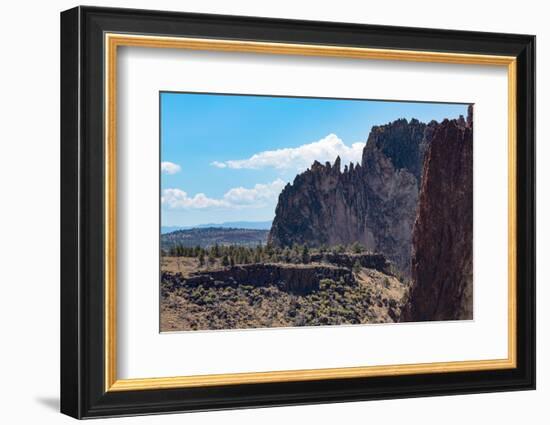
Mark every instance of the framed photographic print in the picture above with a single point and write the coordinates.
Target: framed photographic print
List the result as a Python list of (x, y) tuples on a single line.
[(261, 212)]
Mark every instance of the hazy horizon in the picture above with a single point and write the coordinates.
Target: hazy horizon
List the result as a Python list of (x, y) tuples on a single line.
[(255, 225)]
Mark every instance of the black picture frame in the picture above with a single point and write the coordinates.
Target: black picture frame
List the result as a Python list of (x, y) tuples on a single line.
[(83, 392)]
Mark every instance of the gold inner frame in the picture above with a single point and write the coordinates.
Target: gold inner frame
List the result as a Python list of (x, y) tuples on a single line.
[(113, 41)]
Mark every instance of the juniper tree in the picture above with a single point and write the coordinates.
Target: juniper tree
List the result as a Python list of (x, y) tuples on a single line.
[(216, 250), (305, 254), (197, 251), (211, 259), (338, 249), (357, 248), (286, 255)]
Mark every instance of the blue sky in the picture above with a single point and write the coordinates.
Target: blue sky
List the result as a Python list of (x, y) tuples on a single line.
[(227, 157)]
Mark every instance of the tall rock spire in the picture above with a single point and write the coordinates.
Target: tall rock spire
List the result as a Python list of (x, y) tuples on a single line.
[(443, 289), (337, 163)]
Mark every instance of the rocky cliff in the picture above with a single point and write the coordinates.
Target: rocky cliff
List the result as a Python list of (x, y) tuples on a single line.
[(373, 261), (373, 202), (297, 279), (442, 271)]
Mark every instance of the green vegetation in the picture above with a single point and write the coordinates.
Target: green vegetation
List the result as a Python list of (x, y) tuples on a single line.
[(357, 248), (305, 254), (338, 249), (209, 236), (240, 254)]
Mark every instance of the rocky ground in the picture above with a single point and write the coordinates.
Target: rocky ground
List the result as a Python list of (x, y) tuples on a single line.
[(279, 295)]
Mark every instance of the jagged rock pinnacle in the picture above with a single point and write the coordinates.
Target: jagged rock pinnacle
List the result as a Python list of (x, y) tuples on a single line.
[(337, 163), (362, 203)]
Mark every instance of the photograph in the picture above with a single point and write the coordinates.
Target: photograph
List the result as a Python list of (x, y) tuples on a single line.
[(286, 210), (280, 211)]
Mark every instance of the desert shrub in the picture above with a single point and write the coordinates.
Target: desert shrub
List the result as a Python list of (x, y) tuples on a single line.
[(211, 259), (357, 248), (210, 295), (338, 249), (326, 284)]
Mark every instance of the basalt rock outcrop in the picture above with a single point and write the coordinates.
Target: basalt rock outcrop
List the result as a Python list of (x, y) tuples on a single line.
[(369, 261), (298, 279), (442, 271), (373, 202)]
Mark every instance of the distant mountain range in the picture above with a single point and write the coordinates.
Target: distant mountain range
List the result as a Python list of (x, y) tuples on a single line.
[(256, 225), (210, 236)]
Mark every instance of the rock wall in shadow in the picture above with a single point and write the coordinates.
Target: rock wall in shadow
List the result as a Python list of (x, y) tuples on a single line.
[(442, 257), (298, 279)]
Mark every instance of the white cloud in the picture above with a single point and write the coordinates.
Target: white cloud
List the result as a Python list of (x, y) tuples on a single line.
[(169, 167), (260, 193), (300, 158), (218, 164), (238, 197), (177, 198)]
